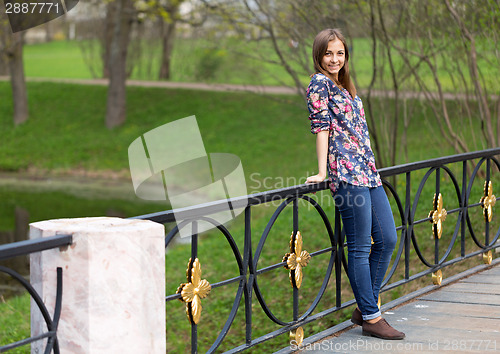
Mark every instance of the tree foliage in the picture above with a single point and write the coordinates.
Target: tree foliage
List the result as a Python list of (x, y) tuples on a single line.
[(445, 41), (417, 46)]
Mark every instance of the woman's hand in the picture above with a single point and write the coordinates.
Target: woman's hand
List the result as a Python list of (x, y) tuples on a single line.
[(316, 178)]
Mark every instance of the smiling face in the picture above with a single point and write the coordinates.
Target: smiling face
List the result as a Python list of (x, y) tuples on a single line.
[(334, 58)]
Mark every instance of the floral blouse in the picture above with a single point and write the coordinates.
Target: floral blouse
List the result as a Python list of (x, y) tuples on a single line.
[(350, 157)]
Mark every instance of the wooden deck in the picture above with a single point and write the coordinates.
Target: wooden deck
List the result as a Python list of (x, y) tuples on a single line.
[(460, 316)]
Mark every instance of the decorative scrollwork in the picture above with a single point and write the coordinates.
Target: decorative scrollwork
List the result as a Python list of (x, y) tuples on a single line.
[(193, 291), (297, 336), (487, 257), (438, 216), (437, 277), (488, 201), (296, 259)]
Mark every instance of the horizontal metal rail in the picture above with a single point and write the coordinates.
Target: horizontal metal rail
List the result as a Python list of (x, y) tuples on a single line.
[(205, 209), (23, 248)]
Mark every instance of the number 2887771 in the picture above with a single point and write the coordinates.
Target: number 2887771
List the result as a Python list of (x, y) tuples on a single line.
[(32, 8)]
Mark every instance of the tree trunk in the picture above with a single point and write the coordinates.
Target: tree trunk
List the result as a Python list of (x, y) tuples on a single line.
[(4, 32), (17, 80), (49, 33), (22, 221), (167, 39), (108, 37), (122, 25), (3, 64)]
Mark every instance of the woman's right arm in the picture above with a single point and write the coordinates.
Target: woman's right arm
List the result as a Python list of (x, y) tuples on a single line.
[(317, 104), (322, 153)]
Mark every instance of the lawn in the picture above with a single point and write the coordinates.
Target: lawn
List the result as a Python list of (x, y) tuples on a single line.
[(231, 61), (193, 60), (269, 134)]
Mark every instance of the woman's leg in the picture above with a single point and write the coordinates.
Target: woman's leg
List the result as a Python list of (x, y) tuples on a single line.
[(384, 237), (355, 208), (365, 211)]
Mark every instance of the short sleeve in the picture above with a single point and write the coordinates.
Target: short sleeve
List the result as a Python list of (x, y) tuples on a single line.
[(317, 103)]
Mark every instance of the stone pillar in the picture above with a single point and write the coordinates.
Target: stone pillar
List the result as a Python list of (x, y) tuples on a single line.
[(113, 285)]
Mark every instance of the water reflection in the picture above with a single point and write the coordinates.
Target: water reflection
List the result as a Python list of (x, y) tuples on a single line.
[(23, 203), (9, 286)]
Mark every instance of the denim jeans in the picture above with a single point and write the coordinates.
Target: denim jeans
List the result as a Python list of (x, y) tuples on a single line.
[(366, 214)]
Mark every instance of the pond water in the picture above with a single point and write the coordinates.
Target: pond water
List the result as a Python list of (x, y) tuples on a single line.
[(24, 200)]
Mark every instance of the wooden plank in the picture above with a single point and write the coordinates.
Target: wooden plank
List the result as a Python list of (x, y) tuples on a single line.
[(427, 330), (462, 317), (469, 287), (428, 308), (424, 339), (495, 270), (460, 297), (487, 279), (444, 318)]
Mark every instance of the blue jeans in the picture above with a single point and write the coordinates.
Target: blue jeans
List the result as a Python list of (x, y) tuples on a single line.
[(366, 214)]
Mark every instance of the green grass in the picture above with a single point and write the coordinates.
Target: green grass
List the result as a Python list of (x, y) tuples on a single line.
[(271, 136), (232, 61), (72, 135), (66, 131), (57, 59), (193, 60), (15, 322)]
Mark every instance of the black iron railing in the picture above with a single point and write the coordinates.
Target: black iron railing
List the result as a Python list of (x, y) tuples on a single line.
[(23, 248), (247, 262)]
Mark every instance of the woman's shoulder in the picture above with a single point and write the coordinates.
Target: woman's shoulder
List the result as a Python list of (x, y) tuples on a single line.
[(319, 78), (319, 82)]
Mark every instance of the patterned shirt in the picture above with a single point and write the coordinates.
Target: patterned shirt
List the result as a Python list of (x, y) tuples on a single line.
[(350, 157)]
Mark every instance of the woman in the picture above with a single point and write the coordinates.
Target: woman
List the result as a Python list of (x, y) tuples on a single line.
[(343, 144)]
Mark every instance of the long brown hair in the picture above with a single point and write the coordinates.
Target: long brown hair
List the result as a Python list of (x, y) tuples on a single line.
[(320, 45)]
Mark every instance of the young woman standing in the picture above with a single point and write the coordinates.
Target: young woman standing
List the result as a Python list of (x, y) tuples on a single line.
[(344, 153)]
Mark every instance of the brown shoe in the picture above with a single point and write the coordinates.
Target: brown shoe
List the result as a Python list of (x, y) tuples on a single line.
[(381, 329), (357, 318)]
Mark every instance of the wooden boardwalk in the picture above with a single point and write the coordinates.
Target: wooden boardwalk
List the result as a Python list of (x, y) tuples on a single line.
[(461, 316)]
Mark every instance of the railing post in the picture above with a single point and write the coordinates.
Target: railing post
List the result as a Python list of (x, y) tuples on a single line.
[(438, 191), (464, 201), (339, 252), (487, 223), (113, 285), (295, 230), (194, 255), (409, 225), (248, 269)]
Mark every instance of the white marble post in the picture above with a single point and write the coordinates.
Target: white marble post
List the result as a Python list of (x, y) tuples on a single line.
[(113, 285)]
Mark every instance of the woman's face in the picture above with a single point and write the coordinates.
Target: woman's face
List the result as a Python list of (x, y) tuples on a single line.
[(334, 58)]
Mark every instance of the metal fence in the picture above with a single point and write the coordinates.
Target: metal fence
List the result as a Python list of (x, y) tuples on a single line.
[(247, 263), (195, 289), (24, 248)]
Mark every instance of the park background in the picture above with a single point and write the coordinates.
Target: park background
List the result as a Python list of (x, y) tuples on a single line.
[(426, 71)]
